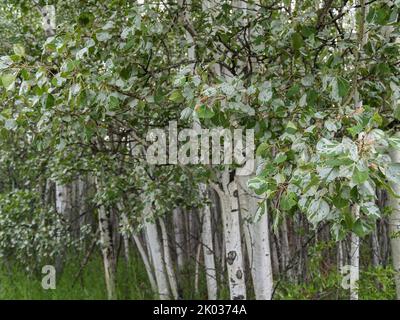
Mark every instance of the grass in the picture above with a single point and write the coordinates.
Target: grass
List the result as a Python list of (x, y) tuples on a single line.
[(132, 283)]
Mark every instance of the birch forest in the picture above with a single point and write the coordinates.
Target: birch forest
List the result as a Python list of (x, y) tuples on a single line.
[(200, 149)]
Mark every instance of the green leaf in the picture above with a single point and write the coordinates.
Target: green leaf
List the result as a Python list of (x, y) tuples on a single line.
[(396, 113), (362, 228), (379, 15), (203, 112), (113, 103), (339, 161), (382, 69), (377, 119), (103, 36), (327, 147), (294, 90), (371, 210), (394, 142), (186, 113), (50, 101), (360, 176), (257, 184), (176, 96), (288, 201), (10, 124), (343, 87), (291, 128), (5, 62), (69, 65), (19, 50), (340, 202), (297, 41), (280, 157), (331, 125), (318, 211), (262, 150), (308, 31), (266, 93), (8, 81)]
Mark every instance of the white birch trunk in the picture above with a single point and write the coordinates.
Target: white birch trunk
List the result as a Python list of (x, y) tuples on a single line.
[(258, 246), (255, 216), (233, 244), (63, 208), (107, 248), (394, 226), (146, 262), (354, 259), (168, 261), (177, 217), (156, 252), (206, 232), (197, 270), (355, 240), (62, 203), (340, 255), (208, 250), (285, 245), (125, 235)]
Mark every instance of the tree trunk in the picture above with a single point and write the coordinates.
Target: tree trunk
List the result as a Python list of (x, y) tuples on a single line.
[(285, 247), (168, 260), (375, 248), (63, 208), (230, 216), (156, 253), (146, 263), (394, 226), (354, 258), (208, 248), (255, 218), (107, 249), (177, 217)]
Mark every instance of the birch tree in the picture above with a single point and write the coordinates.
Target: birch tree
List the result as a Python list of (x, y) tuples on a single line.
[(156, 252), (319, 94)]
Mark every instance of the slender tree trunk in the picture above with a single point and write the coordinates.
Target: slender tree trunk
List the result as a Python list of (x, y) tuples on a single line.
[(230, 216), (208, 249), (354, 95), (394, 226), (125, 235), (340, 255), (257, 233), (285, 252), (275, 255), (146, 262), (197, 270), (177, 217), (354, 259), (63, 208), (82, 200), (206, 231), (107, 247), (375, 248), (168, 260), (156, 252)]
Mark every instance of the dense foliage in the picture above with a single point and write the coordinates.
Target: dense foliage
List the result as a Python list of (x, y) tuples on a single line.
[(318, 81)]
